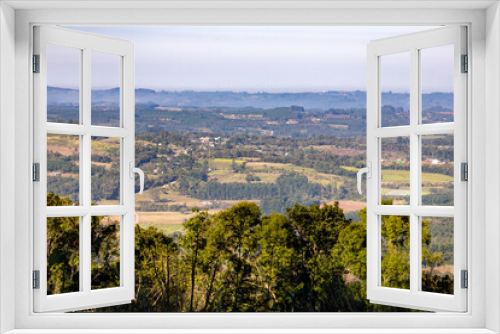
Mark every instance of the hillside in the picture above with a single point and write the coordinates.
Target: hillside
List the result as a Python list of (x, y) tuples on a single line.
[(229, 99)]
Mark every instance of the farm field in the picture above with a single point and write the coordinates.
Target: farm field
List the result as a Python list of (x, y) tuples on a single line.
[(171, 222), (167, 222), (167, 201), (391, 175)]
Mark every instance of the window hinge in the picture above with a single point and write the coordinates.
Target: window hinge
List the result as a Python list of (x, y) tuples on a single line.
[(465, 279), (36, 172), (36, 63), (36, 279), (465, 64), (464, 171)]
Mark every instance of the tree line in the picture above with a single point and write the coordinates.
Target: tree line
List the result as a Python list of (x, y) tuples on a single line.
[(310, 259)]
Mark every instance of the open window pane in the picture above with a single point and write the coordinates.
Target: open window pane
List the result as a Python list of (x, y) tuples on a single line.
[(437, 254), (106, 88), (395, 170), (63, 84), (395, 246), (75, 251), (63, 255), (437, 84), (438, 170), (105, 171), (395, 89), (63, 169), (105, 252), (436, 143)]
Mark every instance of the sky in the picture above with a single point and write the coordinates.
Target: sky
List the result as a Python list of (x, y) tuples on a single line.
[(252, 59)]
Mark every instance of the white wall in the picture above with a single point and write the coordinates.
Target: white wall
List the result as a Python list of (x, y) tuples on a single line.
[(7, 160), (492, 165)]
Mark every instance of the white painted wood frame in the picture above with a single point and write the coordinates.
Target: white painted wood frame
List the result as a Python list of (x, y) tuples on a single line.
[(86, 297), (415, 297), (483, 101)]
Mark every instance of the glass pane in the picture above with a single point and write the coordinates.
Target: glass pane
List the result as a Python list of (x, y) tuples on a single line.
[(63, 170), (395, 89), (437, 254), (63, 249), (106, 78), (395, 246), (63, 84), (105, 252), (395, 170), (105, 171), (437, 84), (437, 170)]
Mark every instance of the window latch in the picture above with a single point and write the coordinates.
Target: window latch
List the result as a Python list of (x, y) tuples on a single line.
[(132, 171), (368, 171)]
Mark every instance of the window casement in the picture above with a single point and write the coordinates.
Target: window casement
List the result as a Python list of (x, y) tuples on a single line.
[(413, 210), (476, 319), (415, 52), (85, 133)]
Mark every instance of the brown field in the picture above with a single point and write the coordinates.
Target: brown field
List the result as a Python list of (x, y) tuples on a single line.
[(166, 221), (349, 206), (63, 144), (350, 153), (339, 126)]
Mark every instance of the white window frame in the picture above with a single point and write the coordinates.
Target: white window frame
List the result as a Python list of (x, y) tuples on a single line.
[(86, 44), (413, 44), (484, 49)]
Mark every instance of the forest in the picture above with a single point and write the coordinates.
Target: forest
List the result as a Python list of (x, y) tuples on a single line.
[(311, 259)]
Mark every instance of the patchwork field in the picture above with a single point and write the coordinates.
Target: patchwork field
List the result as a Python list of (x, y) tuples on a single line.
[(174, 208)]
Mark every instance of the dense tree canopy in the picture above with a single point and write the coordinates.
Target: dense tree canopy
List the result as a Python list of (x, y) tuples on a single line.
[(311, 259)]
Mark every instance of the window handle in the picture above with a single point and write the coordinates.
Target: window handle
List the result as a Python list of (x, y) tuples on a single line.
[(368, 171), (133, 170)]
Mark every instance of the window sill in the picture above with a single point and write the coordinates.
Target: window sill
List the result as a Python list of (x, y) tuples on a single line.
[(250, 331)]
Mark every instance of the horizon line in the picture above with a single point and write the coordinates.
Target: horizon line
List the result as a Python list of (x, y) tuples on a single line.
[(246, 91)]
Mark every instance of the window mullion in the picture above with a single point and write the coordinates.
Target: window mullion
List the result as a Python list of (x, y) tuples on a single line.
[(86, 172), (414, 172)]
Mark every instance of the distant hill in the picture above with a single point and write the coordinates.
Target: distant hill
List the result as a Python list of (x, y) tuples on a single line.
[(311, 100)]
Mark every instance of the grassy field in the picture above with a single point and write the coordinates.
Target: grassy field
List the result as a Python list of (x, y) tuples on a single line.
[(105, 146), (167, 195), (350, 168), (391, 175), (266, 166), (220, 163), (225, 176), (268, 172)]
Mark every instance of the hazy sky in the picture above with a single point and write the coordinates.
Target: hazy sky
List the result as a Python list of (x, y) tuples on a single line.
[(272, 59)]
